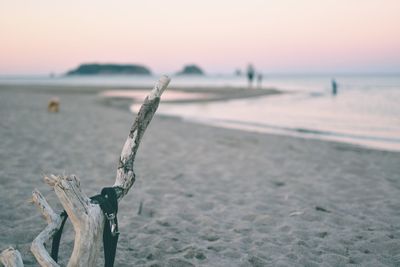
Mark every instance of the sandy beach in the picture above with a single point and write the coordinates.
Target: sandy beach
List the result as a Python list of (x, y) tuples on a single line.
[(210, 197)]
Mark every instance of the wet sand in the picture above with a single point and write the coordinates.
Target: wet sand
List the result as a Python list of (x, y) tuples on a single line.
[(210, 197)]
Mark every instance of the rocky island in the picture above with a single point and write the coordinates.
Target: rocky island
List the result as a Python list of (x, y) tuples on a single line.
[(109, 69), (191, 70)]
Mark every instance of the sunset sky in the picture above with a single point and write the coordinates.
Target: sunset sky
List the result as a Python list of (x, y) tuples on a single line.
[(43, 36)]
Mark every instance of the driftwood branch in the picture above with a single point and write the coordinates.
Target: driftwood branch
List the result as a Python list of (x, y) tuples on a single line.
[(11, 257), (125, 173), (54, 222), (87, 217)]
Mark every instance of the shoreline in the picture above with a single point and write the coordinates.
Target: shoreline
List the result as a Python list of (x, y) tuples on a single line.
[(73, 88), (130, 102), (210, 197), (213, 94), (222, 93)]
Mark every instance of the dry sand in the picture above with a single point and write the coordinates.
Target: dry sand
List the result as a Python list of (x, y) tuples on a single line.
[(211, 197)]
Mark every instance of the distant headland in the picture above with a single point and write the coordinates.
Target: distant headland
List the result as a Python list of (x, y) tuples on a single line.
[(109, 69), (191, 70)]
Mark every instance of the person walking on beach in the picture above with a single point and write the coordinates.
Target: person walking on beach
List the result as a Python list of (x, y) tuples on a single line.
[(259, 80), (334, 87), (250, 75)]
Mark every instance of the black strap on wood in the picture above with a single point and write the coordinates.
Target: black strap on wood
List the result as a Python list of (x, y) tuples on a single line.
[(57, 237), (109, 205)]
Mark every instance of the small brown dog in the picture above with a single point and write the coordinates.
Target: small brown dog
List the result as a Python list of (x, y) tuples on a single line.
[(53, 105)]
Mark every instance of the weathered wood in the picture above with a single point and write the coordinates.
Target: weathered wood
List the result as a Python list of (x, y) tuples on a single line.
[(54, 222), (87, 217), (11, 257), (125, 173)]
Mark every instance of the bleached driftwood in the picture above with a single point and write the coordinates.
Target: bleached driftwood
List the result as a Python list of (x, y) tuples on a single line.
[(125, 173), (86, 217), (11, 257), (54, 222)]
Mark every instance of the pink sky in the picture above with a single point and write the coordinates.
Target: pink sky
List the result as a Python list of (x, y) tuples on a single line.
[(39, 37)]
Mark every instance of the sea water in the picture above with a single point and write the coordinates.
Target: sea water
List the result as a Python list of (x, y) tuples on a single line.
[(365, 111)]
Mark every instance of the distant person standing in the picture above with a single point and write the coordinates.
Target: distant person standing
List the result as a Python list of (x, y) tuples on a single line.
[(334, 87), (250, 75), (259, 80)]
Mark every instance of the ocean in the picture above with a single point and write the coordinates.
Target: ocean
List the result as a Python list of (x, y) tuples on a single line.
[(365, 111)]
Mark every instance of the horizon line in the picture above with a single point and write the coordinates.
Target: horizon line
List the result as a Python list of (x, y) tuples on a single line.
[(209, 74)]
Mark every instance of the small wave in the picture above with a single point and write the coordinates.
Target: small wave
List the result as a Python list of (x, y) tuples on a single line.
[(313, 131), (380, 142)]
